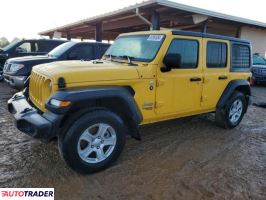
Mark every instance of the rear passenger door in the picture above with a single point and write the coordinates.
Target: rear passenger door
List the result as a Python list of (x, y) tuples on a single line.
[(216, 68)]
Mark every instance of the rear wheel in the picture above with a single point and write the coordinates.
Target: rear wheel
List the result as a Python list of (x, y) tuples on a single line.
[(93, 142), (231, 115)]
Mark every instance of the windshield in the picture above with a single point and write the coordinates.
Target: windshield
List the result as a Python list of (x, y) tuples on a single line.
[(11, 45), (61, 49), (137, 47), (258, 60)]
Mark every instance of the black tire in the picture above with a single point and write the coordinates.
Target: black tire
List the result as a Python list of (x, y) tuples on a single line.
[(69, 141), (222, 116)]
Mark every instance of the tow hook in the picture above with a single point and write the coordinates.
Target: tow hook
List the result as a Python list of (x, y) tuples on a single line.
[(26, 110), (16, 96)]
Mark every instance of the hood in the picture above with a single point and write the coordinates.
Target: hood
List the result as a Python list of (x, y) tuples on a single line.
[(87, 71), (31, 59)]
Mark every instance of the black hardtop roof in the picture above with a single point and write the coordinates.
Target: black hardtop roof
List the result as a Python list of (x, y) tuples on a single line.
[(208, 35)]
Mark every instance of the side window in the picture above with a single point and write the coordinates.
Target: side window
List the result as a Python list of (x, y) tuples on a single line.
[(47, 45), (103, 49), (216, 54), (25, 47), (82, 52), (240, 56), (36, 47), (187, 50)]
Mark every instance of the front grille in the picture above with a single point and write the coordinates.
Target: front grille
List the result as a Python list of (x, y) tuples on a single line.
[(259, 71), (37, 83)]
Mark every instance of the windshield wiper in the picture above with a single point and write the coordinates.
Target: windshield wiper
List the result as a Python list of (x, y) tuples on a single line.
[(110, 56), (129, 59)]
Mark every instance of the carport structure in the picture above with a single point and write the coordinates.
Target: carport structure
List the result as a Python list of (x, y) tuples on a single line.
[(160, 14)]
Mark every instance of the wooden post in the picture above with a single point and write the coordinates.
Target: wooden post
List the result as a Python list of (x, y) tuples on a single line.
[(98, 32), (155, 20), (204, 27)]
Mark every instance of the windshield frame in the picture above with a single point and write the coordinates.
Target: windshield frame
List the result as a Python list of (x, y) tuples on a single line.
[(136, 59), (11, 45), (260, 58)]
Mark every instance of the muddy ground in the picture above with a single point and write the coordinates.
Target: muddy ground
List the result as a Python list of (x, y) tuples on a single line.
[(186, 158)]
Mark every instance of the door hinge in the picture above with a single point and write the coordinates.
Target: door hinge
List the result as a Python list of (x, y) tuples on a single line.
[(160, 82), (159, 104), (203, 98)]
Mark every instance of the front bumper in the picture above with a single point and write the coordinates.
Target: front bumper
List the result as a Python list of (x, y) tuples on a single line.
[(29, 120), (17, 82), (259, 78)]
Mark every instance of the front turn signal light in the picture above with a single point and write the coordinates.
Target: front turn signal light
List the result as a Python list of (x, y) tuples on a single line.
[(60, 104)]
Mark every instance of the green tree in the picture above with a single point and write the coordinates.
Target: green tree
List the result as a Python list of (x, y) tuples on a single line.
[(3, 42)]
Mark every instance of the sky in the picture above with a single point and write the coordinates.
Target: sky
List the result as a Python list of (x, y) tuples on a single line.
[(25, 18)]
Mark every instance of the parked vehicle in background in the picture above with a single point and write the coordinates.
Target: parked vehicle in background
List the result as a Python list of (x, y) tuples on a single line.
[(258, 69), (17, 70), (144, 77), (26, 48)]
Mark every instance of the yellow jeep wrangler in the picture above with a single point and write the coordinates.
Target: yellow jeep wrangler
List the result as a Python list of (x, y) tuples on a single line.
[(144, 77)]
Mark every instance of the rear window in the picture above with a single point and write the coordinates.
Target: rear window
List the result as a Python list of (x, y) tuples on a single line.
[(240, 56), (216, 54)]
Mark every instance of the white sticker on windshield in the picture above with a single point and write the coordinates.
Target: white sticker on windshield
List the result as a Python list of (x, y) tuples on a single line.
[(156, 38)]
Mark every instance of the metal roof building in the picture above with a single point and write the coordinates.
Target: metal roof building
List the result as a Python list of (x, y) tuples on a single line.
[(161, 14)]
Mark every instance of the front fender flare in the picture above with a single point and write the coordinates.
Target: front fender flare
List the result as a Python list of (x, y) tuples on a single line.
[(82, 96)]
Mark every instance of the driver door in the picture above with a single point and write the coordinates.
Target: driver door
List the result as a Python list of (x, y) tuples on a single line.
[(179, 90)]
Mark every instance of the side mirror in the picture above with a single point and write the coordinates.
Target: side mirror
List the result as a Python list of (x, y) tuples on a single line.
[(172, 61), (19, 50), (72, 56)]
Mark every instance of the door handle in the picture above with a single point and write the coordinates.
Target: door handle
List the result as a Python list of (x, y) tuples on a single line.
[(223, 77), (194, 79)]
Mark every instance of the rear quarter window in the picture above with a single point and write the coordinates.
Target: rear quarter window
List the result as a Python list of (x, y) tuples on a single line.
[(241, 57)]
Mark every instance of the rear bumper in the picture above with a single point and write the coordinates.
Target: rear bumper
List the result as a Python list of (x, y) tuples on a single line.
[(28, 120), (17, 82)]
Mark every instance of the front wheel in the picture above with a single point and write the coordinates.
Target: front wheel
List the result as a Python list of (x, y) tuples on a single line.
[(231, 115), (93, 142)]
